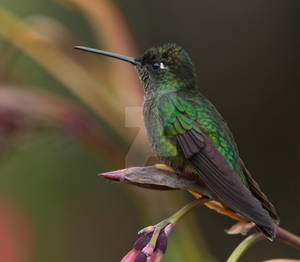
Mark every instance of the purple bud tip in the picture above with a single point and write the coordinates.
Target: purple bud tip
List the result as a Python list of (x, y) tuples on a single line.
[(162, 242), (141, 257), (142, 241), (114, 175)]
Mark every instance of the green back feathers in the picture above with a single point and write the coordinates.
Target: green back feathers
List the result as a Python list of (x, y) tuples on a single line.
[(181, 112)]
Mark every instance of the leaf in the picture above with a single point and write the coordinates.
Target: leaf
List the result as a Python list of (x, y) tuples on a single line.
[(62, 67), (113, 32), (25, 110), (64, 39)]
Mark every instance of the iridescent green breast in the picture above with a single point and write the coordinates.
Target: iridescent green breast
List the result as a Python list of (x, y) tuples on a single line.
[(162, 145)]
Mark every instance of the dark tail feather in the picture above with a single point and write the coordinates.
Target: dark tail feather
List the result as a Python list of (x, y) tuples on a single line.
[(214, 170), (270, 233), (219, 176), (257, 192)]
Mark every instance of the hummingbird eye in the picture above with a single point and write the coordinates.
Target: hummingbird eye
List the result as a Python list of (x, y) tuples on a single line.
[(157, 65)]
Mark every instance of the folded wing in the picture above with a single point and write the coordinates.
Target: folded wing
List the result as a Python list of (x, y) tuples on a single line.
[(181, 122)]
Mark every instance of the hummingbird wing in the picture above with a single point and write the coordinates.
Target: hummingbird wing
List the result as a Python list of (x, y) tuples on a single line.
[(197, 129), (259, 194)]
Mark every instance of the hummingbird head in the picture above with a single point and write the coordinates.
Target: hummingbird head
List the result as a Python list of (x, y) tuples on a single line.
[(165, 67)]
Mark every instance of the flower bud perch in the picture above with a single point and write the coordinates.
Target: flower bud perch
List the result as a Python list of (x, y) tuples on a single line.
[(159, 177), (154, 243), (163, 177)]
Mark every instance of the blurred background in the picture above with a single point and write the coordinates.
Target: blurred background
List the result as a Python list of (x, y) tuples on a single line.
[(62, 121)]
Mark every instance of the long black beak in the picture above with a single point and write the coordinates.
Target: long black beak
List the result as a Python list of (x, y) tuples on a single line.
[(121, 57)]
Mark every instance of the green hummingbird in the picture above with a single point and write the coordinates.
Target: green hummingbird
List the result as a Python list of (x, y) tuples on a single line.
[(187, 132)]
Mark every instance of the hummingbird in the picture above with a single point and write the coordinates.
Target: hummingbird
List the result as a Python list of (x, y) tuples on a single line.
[(187, 132)]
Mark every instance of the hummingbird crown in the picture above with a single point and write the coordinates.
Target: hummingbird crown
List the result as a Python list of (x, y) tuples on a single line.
[(166, 66)]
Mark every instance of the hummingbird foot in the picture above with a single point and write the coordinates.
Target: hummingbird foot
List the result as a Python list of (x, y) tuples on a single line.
[(167, 225)]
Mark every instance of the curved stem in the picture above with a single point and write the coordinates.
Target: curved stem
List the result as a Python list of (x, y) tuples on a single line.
[(288, 238), (281, 235), (176, 217), (244, 245)]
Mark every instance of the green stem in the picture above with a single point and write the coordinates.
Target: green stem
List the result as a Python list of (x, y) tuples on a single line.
[(281, 235), (176, 217), (187, 209), (244, 245)]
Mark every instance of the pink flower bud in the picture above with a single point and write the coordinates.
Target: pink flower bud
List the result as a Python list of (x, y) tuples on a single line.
[(143, 252)]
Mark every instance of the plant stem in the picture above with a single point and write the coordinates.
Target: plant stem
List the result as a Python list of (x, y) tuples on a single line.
[(176, 217), (281, 235), (288, 238), (187, 209), (244, 245)]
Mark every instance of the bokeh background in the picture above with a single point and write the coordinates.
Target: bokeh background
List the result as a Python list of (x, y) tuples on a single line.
[(62, 121)]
